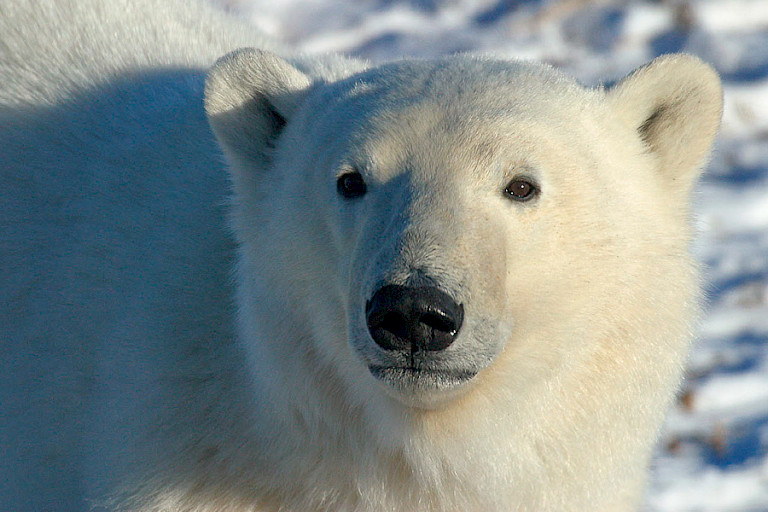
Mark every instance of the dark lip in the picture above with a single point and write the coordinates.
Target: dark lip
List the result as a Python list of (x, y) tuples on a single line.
[(412, 374)]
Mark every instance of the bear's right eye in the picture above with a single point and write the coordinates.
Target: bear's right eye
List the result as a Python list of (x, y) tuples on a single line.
[(521, 189), (351, 185)]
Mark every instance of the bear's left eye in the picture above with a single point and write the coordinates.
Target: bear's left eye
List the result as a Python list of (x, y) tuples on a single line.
[(351, 185), (521, 189)]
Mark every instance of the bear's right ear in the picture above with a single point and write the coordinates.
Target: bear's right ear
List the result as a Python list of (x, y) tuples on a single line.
[(249, 96), (674, 104)]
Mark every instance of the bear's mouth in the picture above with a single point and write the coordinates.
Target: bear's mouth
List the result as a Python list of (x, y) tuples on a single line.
[(414, 378)]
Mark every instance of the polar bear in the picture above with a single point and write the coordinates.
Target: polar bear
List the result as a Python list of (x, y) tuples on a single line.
[(297, 283)]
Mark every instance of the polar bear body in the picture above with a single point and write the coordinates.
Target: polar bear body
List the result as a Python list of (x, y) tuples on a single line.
[(181, 342)]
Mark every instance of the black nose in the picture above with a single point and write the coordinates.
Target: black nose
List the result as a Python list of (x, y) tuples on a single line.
[(415, 319)]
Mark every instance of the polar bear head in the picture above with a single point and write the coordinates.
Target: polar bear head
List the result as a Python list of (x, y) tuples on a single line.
[(426, 231)]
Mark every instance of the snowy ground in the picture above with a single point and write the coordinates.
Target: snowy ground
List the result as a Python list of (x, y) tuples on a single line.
[(714, 451)]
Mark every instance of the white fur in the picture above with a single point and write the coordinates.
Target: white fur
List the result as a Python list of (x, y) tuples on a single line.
[(150, 362)]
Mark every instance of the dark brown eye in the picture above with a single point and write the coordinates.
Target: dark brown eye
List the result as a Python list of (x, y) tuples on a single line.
[(520, 189), (351, 185)]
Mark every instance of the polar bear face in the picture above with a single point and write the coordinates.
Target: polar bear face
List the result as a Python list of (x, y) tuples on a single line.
[(433, 229)]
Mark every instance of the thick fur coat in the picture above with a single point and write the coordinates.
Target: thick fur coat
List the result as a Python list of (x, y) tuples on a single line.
[(187, 273)]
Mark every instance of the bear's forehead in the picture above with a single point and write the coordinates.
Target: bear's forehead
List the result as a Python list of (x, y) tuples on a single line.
[(468, 106), (458, 95), (453, 84)]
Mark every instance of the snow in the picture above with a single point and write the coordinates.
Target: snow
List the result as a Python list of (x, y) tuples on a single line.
[(733, 15), (713, 454)]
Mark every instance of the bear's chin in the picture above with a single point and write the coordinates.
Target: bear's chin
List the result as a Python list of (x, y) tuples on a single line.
[(423, 388)]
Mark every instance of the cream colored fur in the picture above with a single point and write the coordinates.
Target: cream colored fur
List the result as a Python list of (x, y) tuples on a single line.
[(154, 363)]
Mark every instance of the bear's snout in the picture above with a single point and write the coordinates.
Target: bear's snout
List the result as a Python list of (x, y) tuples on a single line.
[(414, 319)]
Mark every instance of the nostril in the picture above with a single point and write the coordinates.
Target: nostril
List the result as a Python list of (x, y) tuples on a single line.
[(395, 323), (439, 322)]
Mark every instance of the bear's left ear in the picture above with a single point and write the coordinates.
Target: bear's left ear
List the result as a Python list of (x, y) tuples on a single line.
[(675, 104), (249, 96)]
